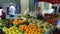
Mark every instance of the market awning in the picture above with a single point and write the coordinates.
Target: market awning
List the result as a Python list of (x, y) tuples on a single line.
[(50, 1)]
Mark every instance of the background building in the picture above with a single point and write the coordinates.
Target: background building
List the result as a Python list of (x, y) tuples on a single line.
[(25, 4)]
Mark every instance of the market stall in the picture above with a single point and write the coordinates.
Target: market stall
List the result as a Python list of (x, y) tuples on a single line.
[(28, 24)]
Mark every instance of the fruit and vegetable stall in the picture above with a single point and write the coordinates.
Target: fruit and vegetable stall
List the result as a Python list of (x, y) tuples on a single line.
[(26, 25)]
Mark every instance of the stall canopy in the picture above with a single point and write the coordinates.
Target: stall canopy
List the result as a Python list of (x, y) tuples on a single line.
[(50, 1)]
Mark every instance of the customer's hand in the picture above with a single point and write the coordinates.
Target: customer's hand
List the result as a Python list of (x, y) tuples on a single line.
[(58, 26)]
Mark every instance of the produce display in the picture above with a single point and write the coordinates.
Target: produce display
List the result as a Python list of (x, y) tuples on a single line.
[(27, 16), (18, 21), (30, 29), (3, 22), (11, 30), (53, 22), (51, 19), (25, 25), (41, 24)]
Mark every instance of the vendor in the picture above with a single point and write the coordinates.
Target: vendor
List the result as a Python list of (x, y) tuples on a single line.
[(38, 12)]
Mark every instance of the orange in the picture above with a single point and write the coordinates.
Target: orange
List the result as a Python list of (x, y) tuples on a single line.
[(25, 33), (39, 33)]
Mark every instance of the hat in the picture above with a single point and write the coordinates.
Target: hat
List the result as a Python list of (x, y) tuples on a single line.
[(11, 3)]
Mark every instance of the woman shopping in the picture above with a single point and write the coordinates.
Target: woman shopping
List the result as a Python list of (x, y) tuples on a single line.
[(38, 13)]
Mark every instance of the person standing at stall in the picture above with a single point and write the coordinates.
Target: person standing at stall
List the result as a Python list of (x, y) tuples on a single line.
[(38, 13), (2, 16), (12, 10), (57, 28), (58, 23)]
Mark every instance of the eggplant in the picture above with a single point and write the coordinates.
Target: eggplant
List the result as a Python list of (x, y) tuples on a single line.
[(1, 32)]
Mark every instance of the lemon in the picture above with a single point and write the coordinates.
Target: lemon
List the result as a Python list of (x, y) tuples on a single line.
[(17, 31)]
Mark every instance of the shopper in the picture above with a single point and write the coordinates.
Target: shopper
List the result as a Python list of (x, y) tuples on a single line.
[(2, 13), (57, 29), (12, 10), (38, 13), (58, 23)]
